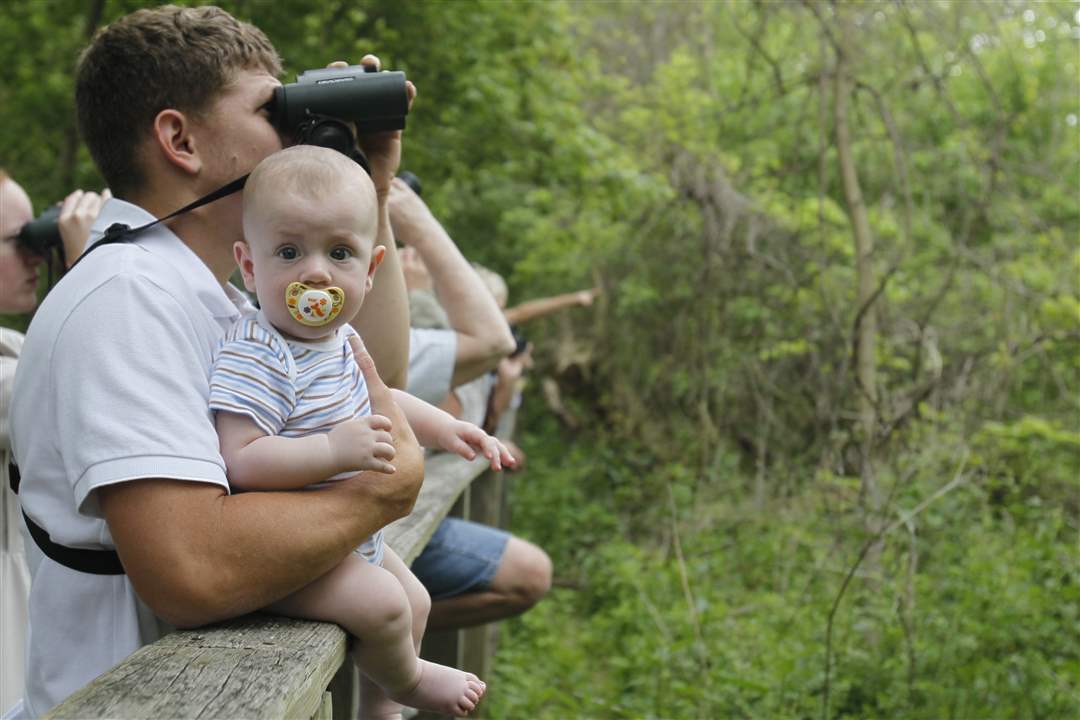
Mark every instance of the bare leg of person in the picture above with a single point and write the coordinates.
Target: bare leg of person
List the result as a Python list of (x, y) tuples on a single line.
[(523, 577), (371, 604)]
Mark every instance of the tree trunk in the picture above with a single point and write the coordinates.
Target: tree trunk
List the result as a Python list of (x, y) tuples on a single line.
[(866, 317)]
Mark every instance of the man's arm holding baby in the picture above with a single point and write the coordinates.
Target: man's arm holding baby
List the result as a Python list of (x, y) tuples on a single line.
[(196, 554)]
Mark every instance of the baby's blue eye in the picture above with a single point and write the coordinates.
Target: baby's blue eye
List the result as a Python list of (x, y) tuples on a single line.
[(287, 253), (340, 253)]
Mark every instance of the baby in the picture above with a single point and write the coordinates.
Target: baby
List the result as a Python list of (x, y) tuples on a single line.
[(292, 408)]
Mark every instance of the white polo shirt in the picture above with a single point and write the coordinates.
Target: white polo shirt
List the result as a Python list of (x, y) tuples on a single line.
[(112, 386)]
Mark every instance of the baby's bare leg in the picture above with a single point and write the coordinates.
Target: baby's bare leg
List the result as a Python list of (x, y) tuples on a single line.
[(374, 703), (434, 682), (373, 606)]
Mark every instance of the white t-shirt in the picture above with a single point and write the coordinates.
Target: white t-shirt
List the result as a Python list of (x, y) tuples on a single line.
[(111, 387), (431, 363)]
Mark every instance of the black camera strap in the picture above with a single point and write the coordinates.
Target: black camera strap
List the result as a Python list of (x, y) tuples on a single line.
[(103, 562), (118, 232)]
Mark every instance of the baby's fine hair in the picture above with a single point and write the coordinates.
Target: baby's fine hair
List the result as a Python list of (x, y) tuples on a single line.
[(306, 170)]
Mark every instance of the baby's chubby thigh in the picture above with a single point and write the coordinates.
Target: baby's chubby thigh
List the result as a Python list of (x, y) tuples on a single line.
[(365, 599)]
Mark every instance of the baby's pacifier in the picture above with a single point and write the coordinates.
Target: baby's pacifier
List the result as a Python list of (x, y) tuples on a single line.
[(312, 306)]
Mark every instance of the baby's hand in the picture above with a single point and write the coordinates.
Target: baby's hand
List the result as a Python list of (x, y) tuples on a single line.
[(363, 444), (467, 439)]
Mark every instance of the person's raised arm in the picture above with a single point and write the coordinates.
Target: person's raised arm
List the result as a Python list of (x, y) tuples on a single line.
[(197, 555), (483, 336), (540, 307)]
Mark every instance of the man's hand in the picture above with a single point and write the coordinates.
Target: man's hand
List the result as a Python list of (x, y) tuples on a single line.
[(467, 440), (382, 150), (363, 444)]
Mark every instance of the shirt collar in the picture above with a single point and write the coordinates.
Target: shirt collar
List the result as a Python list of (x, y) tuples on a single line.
[(163, 242)]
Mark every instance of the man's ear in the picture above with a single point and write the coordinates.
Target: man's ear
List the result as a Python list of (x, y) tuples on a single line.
[(377, 255), (242, 253), (173, 138)]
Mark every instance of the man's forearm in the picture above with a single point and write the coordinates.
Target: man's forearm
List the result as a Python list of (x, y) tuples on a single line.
[(197, 555), (470, 306), (383, 320)]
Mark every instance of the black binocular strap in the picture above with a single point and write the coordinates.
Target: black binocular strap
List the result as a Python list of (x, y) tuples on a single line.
[(118, 232), (103, 562)]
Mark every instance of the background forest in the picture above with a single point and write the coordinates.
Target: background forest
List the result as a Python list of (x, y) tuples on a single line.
[(815, 450)]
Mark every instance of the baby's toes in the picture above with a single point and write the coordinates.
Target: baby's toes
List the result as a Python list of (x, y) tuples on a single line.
[(474, 690)]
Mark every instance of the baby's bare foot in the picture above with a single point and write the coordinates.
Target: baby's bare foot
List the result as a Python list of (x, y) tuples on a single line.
[(443, 689)]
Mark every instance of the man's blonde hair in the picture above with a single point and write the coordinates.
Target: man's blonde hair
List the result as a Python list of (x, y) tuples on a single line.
[(150, 60)]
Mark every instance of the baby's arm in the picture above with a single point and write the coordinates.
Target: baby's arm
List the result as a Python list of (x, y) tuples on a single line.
[(436, 428), (257, 461)]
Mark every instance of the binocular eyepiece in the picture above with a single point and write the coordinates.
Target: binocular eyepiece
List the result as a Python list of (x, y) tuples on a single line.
[(41, 235), (318, 108)]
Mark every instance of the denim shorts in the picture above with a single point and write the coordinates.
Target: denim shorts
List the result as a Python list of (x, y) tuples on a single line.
[(461, 557)]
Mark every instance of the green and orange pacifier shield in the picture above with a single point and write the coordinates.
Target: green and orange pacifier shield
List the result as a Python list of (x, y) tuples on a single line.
[(313, 306)]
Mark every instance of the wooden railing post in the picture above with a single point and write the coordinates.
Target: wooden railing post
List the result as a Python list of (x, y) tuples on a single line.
[(485, 505)]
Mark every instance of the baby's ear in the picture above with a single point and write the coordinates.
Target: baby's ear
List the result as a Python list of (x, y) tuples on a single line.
[(242, 253), (377, 255)]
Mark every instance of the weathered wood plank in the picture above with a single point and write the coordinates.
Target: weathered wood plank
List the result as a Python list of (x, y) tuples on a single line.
[(258, 666)]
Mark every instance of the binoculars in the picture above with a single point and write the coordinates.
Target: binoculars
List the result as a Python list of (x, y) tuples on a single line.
[(318, 108), (42, 234)]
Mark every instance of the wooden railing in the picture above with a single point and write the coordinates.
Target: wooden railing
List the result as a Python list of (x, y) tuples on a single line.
[(263, 666)]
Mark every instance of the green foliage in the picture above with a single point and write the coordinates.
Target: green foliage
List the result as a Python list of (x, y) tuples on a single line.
[(972, 626)]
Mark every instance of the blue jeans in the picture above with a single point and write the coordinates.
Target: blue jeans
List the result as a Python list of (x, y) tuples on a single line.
[(461, 557)]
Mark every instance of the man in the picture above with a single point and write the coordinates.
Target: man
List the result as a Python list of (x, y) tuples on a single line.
[(474, 573), (110, 422)]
